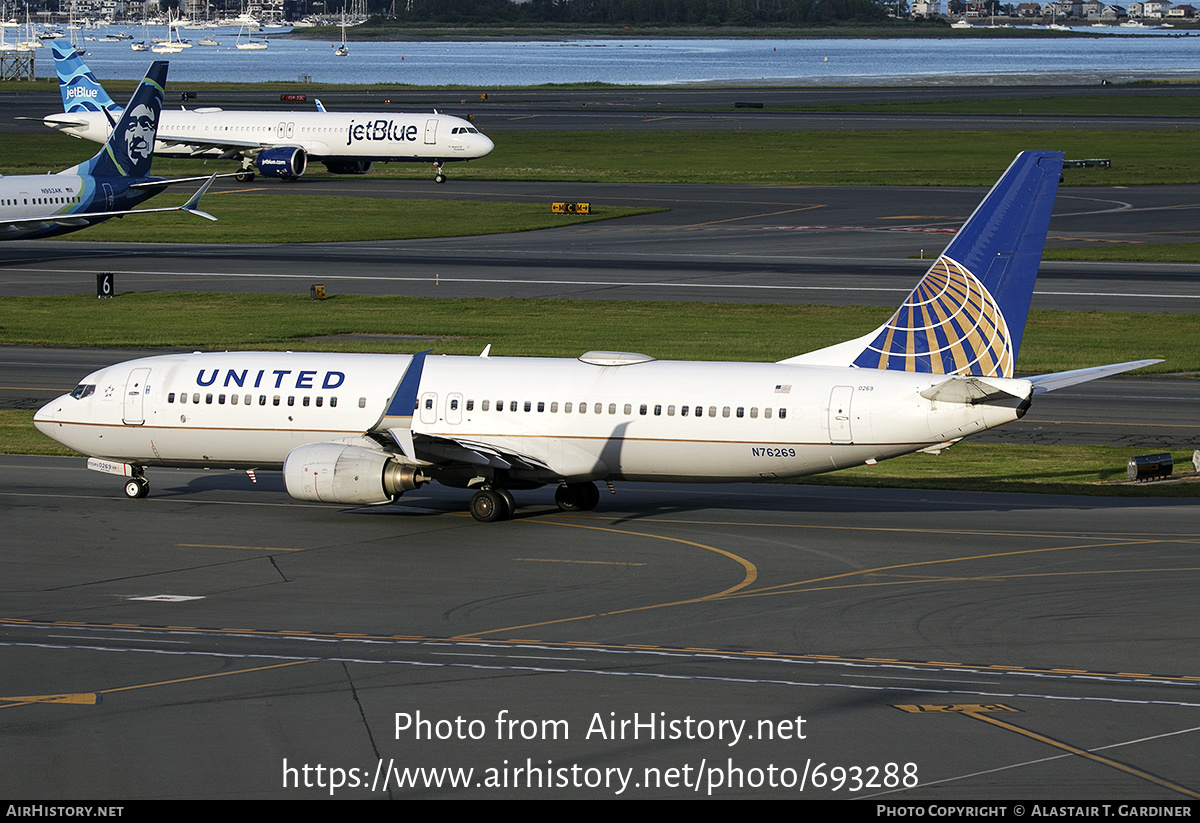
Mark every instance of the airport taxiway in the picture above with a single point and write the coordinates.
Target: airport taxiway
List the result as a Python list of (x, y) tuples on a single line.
[(770, 244), (201, 641)]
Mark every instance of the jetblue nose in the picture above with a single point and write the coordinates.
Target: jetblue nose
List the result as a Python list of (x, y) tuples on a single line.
[(484, 144)]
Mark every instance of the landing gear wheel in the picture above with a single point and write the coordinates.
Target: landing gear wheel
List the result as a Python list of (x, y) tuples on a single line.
[(136, 488), (510, 504), (244, 176), (577, 497), (589, 495), (439, 178), (488, 506)]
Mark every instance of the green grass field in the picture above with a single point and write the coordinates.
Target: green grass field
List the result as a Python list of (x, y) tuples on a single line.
[(256, 218), (883, 158), (1054, 341)]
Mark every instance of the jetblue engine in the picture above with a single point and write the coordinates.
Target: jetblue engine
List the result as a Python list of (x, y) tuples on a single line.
[(347, 474), (285, 162), (348, 166)]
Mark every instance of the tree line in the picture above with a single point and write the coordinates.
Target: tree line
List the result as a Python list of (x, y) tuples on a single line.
[(640, 12)]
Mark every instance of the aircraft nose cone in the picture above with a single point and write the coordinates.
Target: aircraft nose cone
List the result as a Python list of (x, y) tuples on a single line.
[(43, 418), (485, 145)]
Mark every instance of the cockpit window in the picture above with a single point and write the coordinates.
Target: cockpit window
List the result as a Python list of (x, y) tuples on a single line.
[(83, 390)]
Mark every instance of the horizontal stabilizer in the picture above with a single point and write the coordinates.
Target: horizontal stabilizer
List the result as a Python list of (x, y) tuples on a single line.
[(1060, 380), (974, 390)]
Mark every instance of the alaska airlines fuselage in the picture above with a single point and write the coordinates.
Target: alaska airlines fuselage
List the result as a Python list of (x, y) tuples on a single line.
[(40, 195)]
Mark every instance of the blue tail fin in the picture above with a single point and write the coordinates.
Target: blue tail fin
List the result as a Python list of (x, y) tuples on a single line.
[(81, 91), (130, 147), (967, 315)]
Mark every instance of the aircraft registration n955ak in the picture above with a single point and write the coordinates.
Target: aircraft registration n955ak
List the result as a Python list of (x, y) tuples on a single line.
[(357, 429), (108, 185), (272, 143)]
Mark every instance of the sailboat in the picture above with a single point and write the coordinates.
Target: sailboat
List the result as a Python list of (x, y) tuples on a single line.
[(249, 45), (169, 46), (342, 50), (142, 45)]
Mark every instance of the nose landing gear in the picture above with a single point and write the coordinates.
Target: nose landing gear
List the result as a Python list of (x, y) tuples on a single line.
[(137, 487)]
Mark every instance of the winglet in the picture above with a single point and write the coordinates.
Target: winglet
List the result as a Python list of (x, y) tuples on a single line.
[(193, 203)]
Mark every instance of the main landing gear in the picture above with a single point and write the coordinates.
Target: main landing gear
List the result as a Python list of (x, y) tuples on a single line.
[(577, 497), (489, 505)]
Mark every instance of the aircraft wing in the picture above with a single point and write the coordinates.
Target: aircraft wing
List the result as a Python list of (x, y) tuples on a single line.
[(173, 180), (198, 146), (1060, 380), (87, 218), (229, 148)]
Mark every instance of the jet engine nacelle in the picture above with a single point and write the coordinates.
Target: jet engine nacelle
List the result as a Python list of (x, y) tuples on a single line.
[(341, 473), (348, 166), (285, 163)]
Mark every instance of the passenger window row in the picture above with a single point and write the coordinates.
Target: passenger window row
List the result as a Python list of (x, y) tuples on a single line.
[(643, 409), (248, 399)]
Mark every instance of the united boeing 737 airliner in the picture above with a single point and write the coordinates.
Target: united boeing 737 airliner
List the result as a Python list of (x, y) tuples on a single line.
[(272, 143), (108, 185), (355, 429)]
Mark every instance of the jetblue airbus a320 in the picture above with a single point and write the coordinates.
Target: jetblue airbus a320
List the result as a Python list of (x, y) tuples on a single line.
[(355, 429), (272, 143)]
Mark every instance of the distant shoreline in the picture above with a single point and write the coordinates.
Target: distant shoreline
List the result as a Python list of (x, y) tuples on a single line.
[(1005, 27)]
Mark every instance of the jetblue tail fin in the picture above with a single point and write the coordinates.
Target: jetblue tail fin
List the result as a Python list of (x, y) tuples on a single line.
[(967, 315), (81, 91), (130, 147)]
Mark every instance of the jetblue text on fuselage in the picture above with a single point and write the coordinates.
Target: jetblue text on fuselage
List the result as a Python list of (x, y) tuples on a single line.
[(274, 378), (380, 130)]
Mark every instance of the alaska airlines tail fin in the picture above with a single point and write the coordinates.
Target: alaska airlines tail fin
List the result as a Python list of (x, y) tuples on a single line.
[(81, 91), (130, 147), (967, 315)]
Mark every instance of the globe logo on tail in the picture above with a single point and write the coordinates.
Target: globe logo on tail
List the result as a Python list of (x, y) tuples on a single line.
[(950, 324)]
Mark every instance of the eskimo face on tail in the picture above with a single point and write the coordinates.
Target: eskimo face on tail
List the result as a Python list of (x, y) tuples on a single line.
[(950, 324), (139, 134)]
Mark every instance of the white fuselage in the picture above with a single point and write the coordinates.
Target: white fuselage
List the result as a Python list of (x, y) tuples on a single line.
[(366, 136), (652, 420), (43, 195)]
